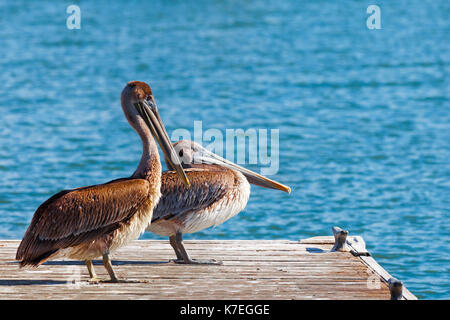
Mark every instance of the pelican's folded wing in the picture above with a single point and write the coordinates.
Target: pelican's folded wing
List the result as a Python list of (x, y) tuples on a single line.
[(207, 187), (72, 217)]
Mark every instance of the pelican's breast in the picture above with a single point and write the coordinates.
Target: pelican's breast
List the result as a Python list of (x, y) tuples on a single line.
[(233, 202)]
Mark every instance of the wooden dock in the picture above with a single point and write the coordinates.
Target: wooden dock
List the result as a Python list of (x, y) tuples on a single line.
[(252, 269)]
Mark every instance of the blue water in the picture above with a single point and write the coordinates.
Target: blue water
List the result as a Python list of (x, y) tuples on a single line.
[(364, 115)]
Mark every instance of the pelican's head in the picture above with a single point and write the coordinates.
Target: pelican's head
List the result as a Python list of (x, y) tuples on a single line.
[(191, 153), (142, 113), (135, 92)]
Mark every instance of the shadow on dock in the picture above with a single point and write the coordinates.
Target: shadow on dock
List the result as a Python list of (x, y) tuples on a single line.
[(23, 282), (100, 263), (316, 250)]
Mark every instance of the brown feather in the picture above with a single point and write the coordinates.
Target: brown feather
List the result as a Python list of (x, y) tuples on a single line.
[(141, 88), (72, 217), (209, 183)]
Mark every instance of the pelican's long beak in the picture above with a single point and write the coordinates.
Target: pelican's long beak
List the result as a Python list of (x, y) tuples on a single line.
[(205, 156), (149, 112)]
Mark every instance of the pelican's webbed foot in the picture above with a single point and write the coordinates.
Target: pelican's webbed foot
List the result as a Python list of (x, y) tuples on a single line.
[(176, 242), (93, 279), (96, 280)]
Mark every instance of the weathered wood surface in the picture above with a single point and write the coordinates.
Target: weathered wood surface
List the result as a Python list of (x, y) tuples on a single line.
[(263, 269)]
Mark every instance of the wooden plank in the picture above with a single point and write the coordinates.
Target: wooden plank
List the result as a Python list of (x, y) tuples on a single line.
[(263, 269)]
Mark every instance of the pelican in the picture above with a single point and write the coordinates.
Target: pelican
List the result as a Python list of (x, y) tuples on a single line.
[(90, 222), (219, 190)]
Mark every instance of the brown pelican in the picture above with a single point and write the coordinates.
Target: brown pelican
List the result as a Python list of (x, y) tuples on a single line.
[(89, 222), (219, 190)]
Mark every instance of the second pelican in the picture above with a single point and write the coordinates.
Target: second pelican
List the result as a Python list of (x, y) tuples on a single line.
[(219, 190)]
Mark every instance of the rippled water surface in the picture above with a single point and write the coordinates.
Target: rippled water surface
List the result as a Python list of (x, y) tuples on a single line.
[(364, 115)]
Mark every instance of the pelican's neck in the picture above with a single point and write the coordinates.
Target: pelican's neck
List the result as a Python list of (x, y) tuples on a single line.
[(149, 167)]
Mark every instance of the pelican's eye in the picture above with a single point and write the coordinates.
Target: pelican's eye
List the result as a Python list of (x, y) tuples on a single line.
[(150, 102)]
